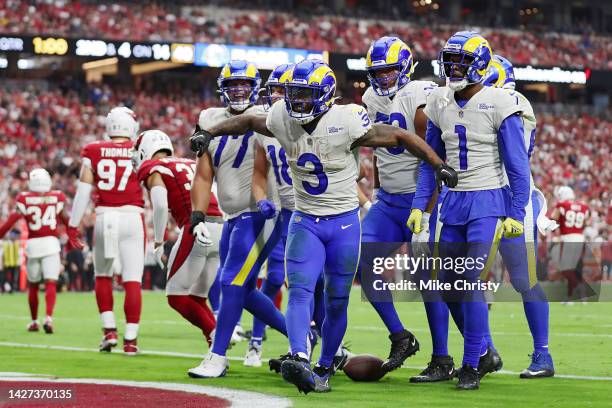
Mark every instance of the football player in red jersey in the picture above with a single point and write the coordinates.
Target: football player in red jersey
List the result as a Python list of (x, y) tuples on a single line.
[(572, 216), (41, 208), (192, 264), (119, 231)]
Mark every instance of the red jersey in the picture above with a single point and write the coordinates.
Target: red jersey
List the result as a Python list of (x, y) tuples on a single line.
[(115, 181), (177, 175), (573, 215), (41, 212)]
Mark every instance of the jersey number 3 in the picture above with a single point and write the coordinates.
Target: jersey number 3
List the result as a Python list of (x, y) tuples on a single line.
[(317, 171)]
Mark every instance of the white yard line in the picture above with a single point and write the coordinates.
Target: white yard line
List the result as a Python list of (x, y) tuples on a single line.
[(199, 356)]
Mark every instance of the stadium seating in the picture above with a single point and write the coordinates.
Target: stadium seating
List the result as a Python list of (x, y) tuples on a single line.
[(144, 21)]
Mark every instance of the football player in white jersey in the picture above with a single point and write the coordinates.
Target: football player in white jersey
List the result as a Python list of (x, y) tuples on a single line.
[(393, 98), (251, 231), (475, 128), (271, 163), (519, 254), (320, 139)]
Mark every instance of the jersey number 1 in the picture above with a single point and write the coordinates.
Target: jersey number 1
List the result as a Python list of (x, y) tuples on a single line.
[(463, 151)]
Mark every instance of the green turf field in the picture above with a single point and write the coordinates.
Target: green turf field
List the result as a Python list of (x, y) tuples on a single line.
[(581, 343)]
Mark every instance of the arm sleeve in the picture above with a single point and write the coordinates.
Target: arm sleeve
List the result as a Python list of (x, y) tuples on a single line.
[(80, 203), (514, 155), (159, 199), (8, 224), (426, 183)]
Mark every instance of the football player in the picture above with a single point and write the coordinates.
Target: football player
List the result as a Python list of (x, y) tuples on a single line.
[(41, 208), (270, 157), (320, 139), (393, 99), (119, 232), (475, 128), (252, 230), (519, 254), (572, 216), (191, 266)]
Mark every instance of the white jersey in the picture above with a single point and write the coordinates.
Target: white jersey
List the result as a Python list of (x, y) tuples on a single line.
[(324, 168), (279, 170), (398, 169), (529, 126), (470, 134), (233, 158)]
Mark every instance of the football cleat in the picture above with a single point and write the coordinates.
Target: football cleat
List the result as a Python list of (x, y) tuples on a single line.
[(48, 327), (490, 362), (340, 359), (321, 377), (541, 366), (296, 371), (440, 368), (213, 366), (130, 347), (275, 363), (253, 357), (238, 335), (312, 340), (403, 345), (109, 340), (33, 327), (469, 378)]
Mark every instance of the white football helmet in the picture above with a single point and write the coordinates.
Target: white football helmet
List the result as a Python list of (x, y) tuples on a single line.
[(565, 193), (150, 142), (39, 181), (121, 122)]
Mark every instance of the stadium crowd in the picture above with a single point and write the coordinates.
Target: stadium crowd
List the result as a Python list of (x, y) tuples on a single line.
[(170, 22)]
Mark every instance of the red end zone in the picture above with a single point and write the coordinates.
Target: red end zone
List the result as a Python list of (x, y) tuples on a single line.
[(45, 394)]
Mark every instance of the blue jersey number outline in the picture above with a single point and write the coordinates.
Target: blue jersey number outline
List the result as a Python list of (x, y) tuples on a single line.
[(461, 132), (284, 166), (317, 171), (244, 147)]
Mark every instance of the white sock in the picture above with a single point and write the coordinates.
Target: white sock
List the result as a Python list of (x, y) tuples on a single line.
[(108, 320), (131, 331), (48, 319), (302, 355)]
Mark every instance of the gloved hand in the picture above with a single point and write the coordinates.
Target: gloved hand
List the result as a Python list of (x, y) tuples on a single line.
[(420, 240), (445, 175), (200, 140), (158, 253), (267, 208), (74, 239), (511, 228), (415, 221), (198, 228)]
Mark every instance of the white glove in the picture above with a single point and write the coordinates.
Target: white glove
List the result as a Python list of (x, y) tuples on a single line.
[(158, 253), (420, 241), (202, 235)]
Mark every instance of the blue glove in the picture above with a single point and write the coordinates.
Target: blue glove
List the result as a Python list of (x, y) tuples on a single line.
[(267, 208)]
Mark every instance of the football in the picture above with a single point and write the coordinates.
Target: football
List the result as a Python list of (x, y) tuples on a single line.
[(365, 368)]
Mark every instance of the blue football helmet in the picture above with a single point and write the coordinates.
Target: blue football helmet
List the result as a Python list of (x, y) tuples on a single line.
[(239, 97), (389, 53), (277, 78), (464, 60), (500, 74), (309, 90)]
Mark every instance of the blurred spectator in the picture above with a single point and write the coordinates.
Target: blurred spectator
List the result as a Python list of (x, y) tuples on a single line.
[(309, 29)]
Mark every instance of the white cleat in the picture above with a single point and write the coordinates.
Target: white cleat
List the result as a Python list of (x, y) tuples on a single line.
[(213, 366), (253, 357), (238, 334)]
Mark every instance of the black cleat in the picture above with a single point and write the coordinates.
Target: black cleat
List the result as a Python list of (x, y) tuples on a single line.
[(403, 345), (321, 378), (489, 363), (541, 366), (440, 368), (296, 371), (468, 378), (340, 360), (275, 363)]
